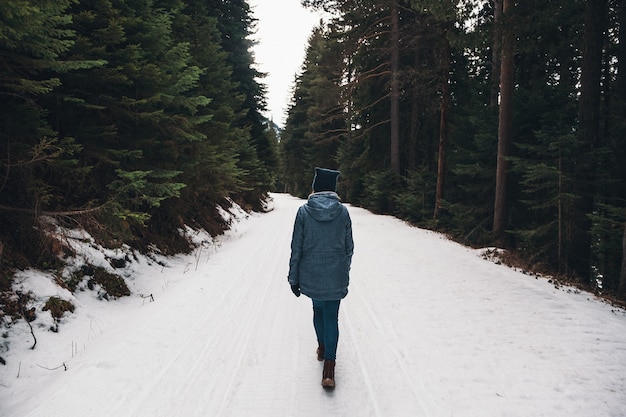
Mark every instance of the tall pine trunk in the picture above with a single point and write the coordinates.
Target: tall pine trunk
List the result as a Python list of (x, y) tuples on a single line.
[(505, 117), (495, 53), (443, 126), (621, 109), (579, 254), (395, 93), (621, 288)]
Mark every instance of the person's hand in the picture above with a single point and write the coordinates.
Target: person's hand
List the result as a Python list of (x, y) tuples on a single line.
[(296, 290)]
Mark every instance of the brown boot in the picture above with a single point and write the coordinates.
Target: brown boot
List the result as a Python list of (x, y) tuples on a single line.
[(320, 352), (328, 375)]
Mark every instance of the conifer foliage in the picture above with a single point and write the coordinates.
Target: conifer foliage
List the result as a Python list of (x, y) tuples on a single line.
[(498, 122), (128, 118)]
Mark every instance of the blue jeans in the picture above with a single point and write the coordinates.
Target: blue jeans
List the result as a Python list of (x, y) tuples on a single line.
[(326, 322)]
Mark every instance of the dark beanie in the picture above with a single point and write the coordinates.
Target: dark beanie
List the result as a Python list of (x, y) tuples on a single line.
[(325, 180)]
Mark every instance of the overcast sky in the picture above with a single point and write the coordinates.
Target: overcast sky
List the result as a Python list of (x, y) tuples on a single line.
[(283, 30)]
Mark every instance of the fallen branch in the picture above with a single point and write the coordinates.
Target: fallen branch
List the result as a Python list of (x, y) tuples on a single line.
[(31, 332), (147, 296), (54, 369), (52, 213)]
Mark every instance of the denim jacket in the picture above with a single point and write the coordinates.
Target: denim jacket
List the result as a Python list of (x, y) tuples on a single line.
[(322, 248)]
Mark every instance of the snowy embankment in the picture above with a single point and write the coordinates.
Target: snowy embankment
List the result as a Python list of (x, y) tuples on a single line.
[(429, 328)]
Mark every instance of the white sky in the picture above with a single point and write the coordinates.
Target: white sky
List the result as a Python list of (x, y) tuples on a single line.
[(283, 30)]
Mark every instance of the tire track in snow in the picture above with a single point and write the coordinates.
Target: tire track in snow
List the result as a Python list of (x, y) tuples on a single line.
[(194, 361), (288, 381), (389, 339), (255, 345), (268, 267), (207, 355), (359, 358), (378, 286)]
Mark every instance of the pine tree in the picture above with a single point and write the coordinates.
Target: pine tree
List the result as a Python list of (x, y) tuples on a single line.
[(619, 136), (507, 81), (545, 165), (257, 153), (32, 39), (133, 114), (588, 133), (558, 189), (316, 119)]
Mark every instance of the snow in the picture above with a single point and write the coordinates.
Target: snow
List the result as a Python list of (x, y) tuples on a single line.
[(429, 328)]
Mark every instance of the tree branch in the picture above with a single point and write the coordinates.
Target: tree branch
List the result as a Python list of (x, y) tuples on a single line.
[(52, 213)]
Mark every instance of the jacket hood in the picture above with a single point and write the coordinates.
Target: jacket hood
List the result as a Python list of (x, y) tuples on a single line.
[(324, 206)]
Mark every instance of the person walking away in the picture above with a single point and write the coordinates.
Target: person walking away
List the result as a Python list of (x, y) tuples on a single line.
[(319, 267)]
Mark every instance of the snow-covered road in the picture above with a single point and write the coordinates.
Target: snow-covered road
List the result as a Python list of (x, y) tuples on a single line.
[(429, 328)]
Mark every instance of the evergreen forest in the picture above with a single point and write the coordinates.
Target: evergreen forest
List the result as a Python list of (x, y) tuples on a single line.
[(500, 123), (130, 119)]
